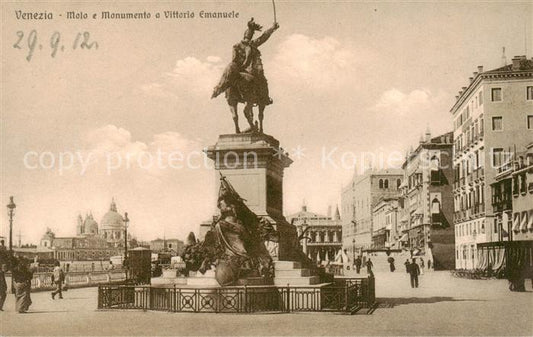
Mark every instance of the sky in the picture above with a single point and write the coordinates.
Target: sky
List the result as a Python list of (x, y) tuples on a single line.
[(347, 79)]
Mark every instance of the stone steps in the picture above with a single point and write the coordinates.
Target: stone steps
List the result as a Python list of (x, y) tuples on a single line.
[(293, 273), (287, 265), (296, 281)]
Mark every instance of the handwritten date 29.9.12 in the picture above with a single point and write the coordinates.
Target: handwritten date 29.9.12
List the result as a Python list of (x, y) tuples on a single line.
[(53, 44)]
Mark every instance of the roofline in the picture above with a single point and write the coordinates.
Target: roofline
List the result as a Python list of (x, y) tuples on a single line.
[(487, 75)]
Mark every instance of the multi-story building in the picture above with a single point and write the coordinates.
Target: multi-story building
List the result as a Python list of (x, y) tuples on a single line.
[(492, 116), (322, 235), (92, 242), (385, 224), (174, 246), (512, 207), (427, 201), (358, 200)]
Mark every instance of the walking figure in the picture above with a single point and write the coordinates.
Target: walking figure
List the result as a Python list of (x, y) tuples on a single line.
[(22, 276), (358, 264), (58, 277), (414, 271), (3, 286), (369, 266), (407, 263)]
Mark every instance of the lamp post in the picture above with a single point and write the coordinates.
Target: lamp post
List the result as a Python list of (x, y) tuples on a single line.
[(11, 212), (353, 249), (126, 220), (125, 264)]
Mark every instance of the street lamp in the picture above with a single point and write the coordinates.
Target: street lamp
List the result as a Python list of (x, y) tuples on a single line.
[(353, 249), (126, 220), (11, 212)]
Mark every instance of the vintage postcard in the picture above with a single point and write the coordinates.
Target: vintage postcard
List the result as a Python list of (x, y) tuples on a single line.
[(306, 168)]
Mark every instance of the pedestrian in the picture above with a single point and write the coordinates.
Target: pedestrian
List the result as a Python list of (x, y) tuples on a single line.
[(22, 276), (414, 271), (358, 264), (429, 264), (369, 266), (407, 263), (422, 266), (3, 285), (391, 264), (58, 277)]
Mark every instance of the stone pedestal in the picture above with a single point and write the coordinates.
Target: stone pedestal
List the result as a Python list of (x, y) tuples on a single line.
[(253, 163)]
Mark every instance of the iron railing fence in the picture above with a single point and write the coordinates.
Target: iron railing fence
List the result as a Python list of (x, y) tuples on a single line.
[(348, 295)]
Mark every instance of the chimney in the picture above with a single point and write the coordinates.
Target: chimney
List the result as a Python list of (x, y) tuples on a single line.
[(475, 73), (456, 97), (464, 88), (471, 79), (480, 69), (329, 211), (516, 61), (460, 93)]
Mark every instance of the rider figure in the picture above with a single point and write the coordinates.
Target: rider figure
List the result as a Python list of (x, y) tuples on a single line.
[(243, 79)]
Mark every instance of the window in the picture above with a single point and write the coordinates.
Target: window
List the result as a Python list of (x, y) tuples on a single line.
[(497, 157), (530, 122), (480, 98), (435, 206), (529, 93), (398, 183), (380, 183), (386, 184), (496, 94), (497, 123)]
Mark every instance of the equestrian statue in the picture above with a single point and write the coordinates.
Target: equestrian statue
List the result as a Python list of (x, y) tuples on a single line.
[(244, 81)]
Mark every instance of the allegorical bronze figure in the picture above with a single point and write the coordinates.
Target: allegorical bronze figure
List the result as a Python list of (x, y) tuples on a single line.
[(244, 80)]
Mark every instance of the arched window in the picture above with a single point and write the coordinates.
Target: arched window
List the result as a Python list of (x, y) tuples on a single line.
[(386, 184), (380, 183), (435, 206), (435, 163)]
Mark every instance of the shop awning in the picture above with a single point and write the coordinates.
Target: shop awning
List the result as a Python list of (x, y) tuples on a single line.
[(403, 238), (405, 218), (523, 223), (419, 211), (530, 220), (516, 222), (389, 227)]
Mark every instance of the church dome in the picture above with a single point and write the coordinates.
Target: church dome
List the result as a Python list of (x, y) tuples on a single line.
[(112, 220), (91, 226)]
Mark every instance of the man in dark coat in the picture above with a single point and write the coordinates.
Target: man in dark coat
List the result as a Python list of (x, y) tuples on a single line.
[(414, 271), (407, 263), (3, 285), (369, 266), (358, 263)]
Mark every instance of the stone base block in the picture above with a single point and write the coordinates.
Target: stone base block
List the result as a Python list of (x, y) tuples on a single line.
[(296, 281)]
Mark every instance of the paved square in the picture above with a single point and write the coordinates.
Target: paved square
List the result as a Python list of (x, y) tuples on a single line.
[(443, 305)]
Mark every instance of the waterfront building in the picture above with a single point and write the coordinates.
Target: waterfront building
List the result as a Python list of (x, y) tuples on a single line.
[(174, 246), (321, 234), (385, 223), (92, 242), (492, 117), (512, 208), (358, 200), (426, 222)]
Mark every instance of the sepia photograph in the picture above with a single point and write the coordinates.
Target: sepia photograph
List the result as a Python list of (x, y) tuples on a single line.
[(266, 168)]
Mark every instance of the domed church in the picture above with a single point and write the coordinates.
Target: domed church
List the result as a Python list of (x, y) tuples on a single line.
[(112, 226), (87, 227)]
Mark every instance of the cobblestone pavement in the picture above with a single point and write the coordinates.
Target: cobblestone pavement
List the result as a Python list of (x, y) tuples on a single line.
[(442, 305)]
